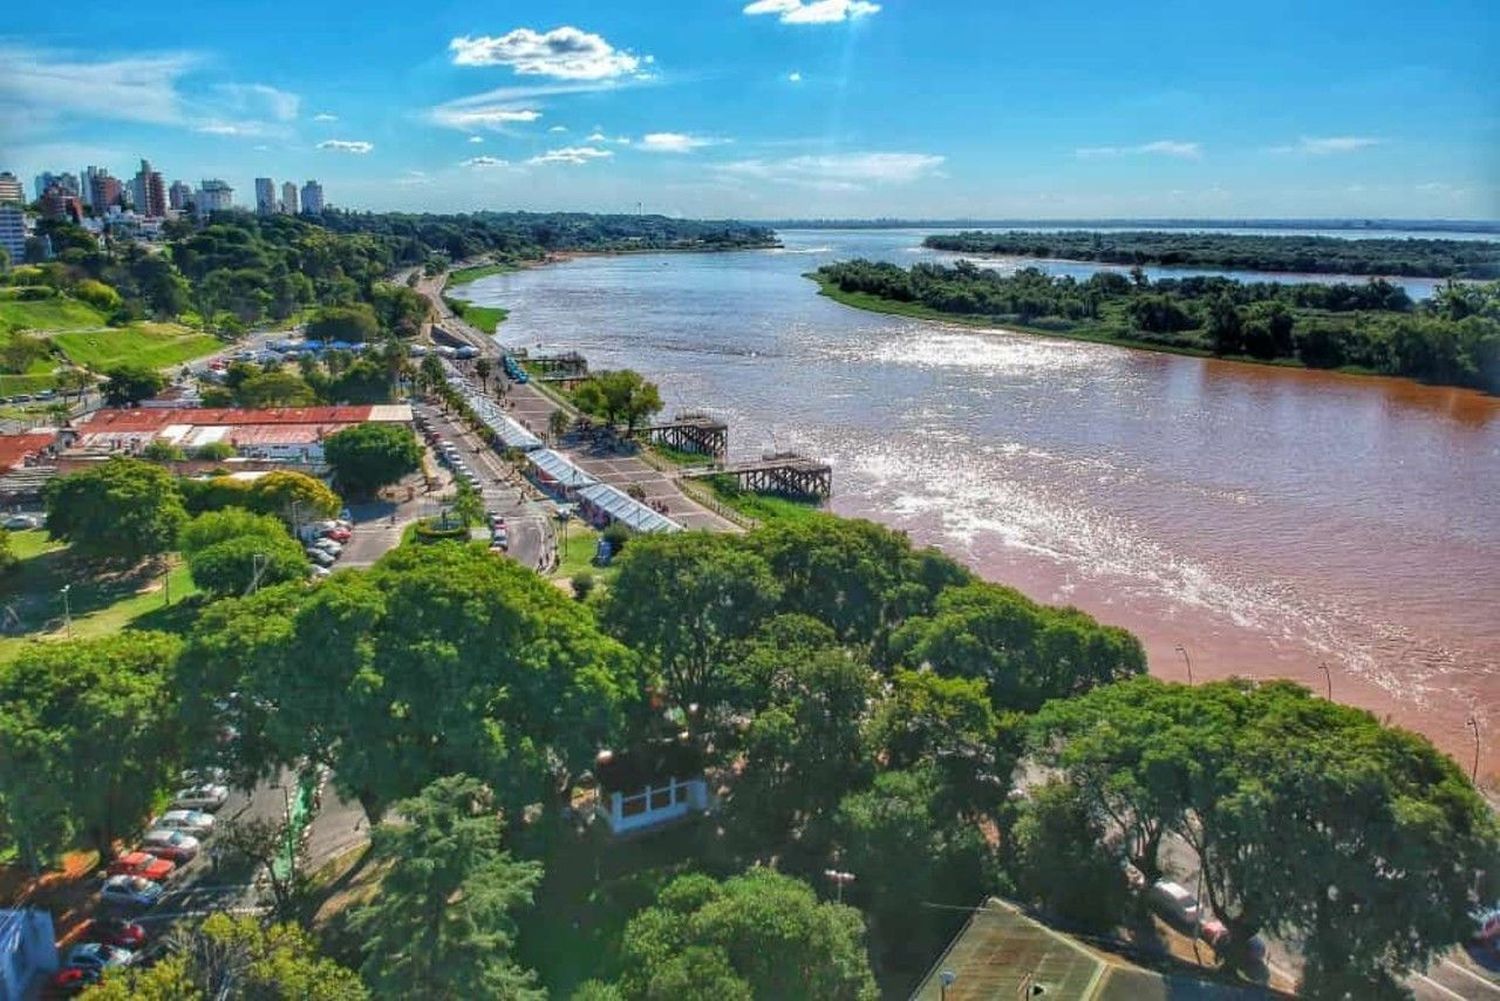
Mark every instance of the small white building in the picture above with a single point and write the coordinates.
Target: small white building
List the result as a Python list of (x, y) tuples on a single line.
[(650, 788)]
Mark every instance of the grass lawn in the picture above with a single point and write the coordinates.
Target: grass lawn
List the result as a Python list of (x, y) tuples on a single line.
[(578, 553), (57, 313), (465, 275), (100, 603), (486, 318), (156, 345), (764, 508)]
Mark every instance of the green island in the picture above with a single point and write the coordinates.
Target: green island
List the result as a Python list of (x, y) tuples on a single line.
[(1415, 257), (1374, 328)]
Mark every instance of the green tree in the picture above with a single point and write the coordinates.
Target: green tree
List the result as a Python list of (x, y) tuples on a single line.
[(88, 735), (1024, 652), (161, 450), (355, 324), (430, 373), (468, 505), (214, 451), (240, 564), (367, 457), (442, 925), (761, 935), (238, 958), (128, 384), (617, 396), (281, 388), (296, 498), (683, 601), (484, 368), (1060, 860), (121, 510), (98, 295), (8, 559)]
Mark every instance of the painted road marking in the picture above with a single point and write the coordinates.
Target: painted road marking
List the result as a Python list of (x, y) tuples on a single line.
[(1494, 987), (1439, 987)]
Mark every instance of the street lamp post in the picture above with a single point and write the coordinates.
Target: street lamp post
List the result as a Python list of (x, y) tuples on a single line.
[(67, 610), (839, 879), (1187, 660), (946, 980), (1473, 724), (1328, 677)]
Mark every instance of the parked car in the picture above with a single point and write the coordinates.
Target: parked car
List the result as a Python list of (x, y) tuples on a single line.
[(130, 892), (195, 822), (318, 556), (98, 956), (174, 845), (201, 797), (328, 546), (142, 864), (117, 931), (1174, 902), (338, 534), (318, 572), (21, 522), (210, 775)]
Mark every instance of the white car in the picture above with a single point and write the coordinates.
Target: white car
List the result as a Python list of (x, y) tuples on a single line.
[(319, 556), (211, 775), (193, 822), (330, 546), (21, 522), (318, 572), (98, 956), (203, 797)]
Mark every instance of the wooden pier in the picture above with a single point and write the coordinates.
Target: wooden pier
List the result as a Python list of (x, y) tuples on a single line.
[(785, 473), (696, 433)]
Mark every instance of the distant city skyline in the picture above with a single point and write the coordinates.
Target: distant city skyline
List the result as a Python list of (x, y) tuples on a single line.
[(785, 108)]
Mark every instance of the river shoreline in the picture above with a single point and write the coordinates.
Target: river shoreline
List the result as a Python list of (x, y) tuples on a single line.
[(916, 311)]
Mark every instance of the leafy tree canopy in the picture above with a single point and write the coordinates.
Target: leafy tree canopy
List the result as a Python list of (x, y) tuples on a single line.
[(122, 510), (367, 457)]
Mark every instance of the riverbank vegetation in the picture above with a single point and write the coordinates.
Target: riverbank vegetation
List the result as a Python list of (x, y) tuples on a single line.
[(854, 701), (1424, 258), (1454, 339)]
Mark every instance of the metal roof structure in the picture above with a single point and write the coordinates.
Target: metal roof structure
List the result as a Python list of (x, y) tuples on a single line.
[(558, 468), (625, 509)]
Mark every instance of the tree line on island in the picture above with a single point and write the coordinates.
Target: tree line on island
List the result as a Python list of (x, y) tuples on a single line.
[(858, 703), (1452, 339), (1328, 255)]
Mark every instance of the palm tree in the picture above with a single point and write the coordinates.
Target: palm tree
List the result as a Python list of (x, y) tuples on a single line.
[(557, 424), (483, 368)]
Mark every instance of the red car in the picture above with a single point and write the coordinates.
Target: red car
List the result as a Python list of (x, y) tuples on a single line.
[(117, 932), (339, 535), (71, 980), (142, 864)]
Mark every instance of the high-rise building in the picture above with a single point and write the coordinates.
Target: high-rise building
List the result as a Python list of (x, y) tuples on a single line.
[(289, 198), (179, 195), (214, 196), (105, 192), (59, 203), (150, 192), (86, 185), (13, 231), (65, 182), (312, 198), (11, 189), (265, 196)]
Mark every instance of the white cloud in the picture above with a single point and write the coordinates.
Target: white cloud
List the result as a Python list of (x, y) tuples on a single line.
[(566, 53), (414, 178), (478, 162), (572, 154), (813, 11), (134, 89), (325, 116), (476, 139), (598, 136), (558, 128), (259, 100), (347, 145), (481, 116), (794, 77), (1328, 144), (1161, 147), (674, 142), (839, 171)]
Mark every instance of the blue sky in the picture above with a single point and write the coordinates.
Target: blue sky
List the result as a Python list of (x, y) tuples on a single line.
[(764, 108)]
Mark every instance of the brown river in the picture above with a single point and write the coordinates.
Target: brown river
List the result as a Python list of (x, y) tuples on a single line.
[(1268, 521)]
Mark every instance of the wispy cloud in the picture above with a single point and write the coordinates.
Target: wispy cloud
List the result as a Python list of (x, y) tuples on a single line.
[(133, 89), (795, 76), (1322, 146), (600, 137), (1161, 147), (347, 146), (839, 171), (566, 53), (480, 162), (476, 139), (813, 11), (325, 116), (468, 117), (558, 128), (675, 142), (259, 101), (576, 155)]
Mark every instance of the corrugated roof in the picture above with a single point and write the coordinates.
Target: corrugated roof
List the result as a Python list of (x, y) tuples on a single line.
[(557, 466), (626, 509), (151, 418), (14, 448)]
